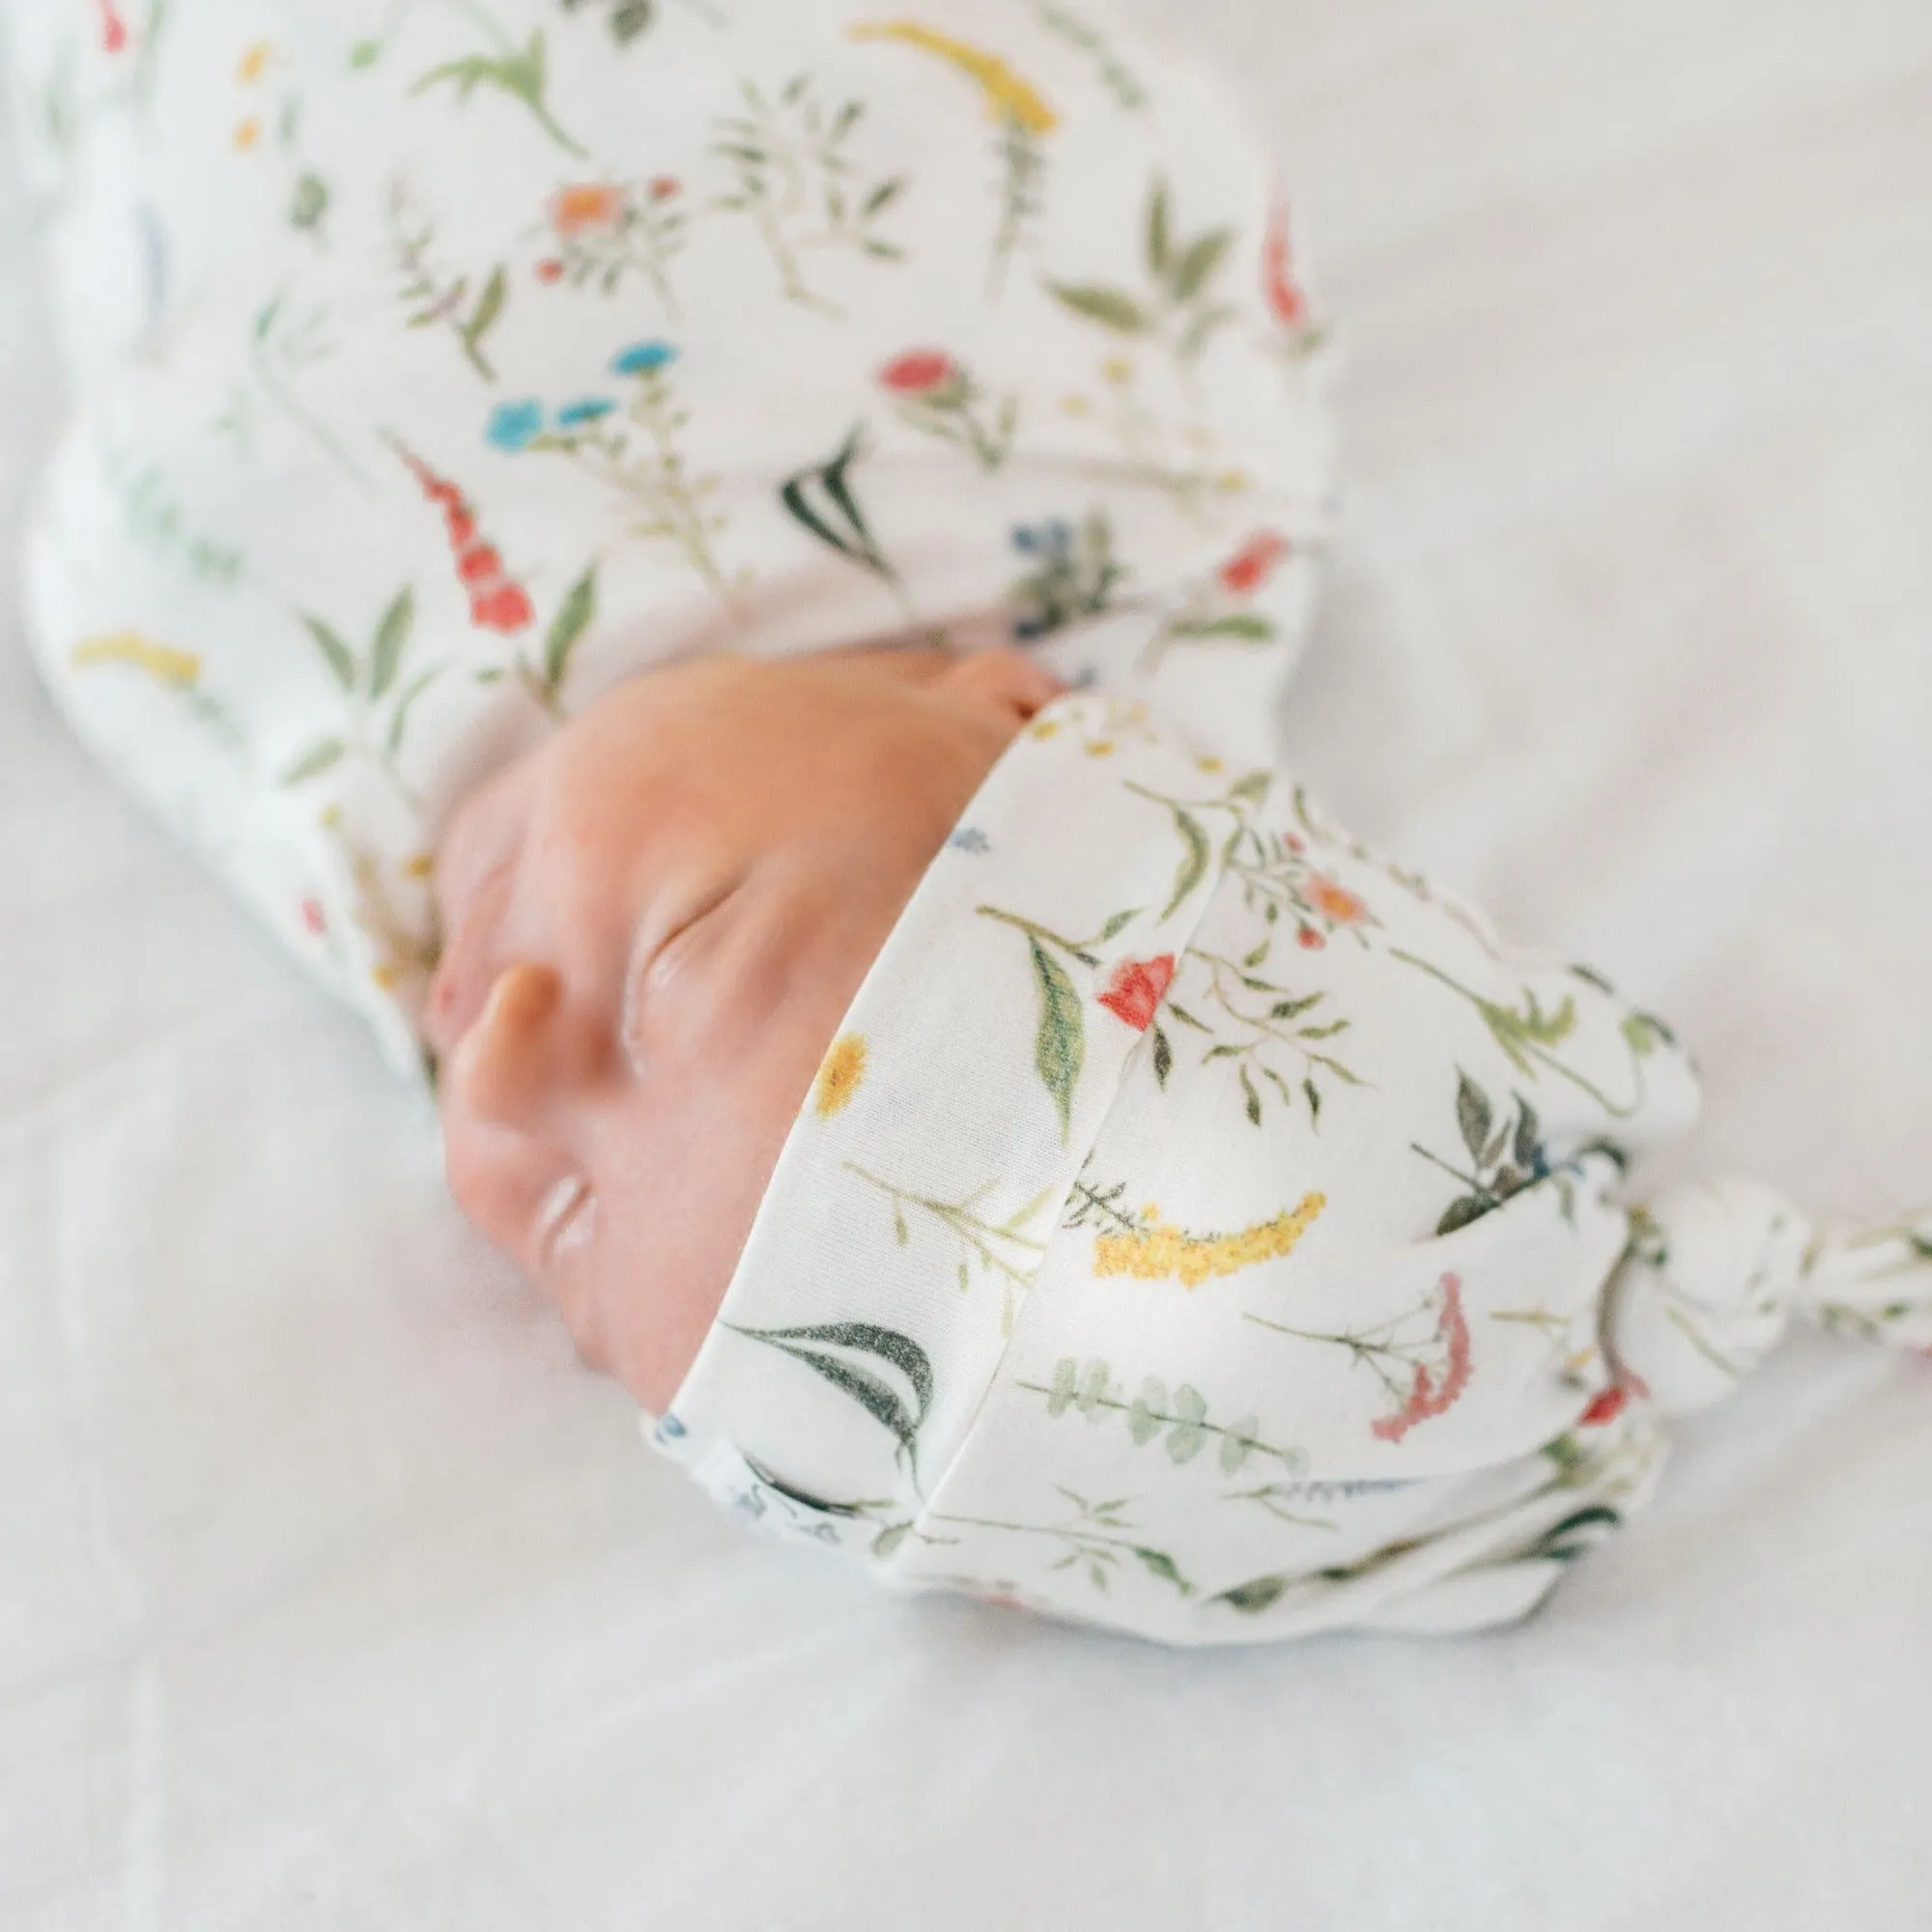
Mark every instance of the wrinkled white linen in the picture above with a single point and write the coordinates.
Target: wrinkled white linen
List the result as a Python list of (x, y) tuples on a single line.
[(332, 1595)]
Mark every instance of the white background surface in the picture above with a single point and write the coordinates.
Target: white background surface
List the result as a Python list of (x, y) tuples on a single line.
[(332, 1595)]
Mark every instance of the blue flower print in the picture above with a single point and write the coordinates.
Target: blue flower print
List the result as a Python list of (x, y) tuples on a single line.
[(586, 410), (515, 426), (643, 359), (970, 838)]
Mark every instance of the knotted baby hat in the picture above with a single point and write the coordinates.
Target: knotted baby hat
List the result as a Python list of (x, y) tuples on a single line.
[(1203, 1227)]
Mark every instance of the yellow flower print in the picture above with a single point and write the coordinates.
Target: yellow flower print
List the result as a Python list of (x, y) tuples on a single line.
[(839, 1073), (247, 134), (254, 62), (163, 663), (1007, 97), (1159, 1251)]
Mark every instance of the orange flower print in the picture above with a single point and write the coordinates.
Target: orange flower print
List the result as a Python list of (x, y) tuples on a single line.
[(586, 207), (1335, 901), (1254, 563)]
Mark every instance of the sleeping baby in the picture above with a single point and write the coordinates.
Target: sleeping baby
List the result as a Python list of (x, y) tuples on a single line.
[(726, 572)]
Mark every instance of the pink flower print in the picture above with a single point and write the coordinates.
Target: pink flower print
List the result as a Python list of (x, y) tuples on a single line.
[(1427, 1397), (919, 372), (113, 28), (1254, 563), (1286, 300), (314, 920), (1136, 989), (664, 187), (550, 270), (1309, 940)]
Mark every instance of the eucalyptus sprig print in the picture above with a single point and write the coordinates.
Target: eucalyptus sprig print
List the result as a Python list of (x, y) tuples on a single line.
[(796, 181), (435, 299), (1096, 1539), (1177, 306), (1177, 1420)]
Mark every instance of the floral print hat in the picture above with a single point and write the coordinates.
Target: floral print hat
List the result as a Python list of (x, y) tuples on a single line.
[(1202, 1226)]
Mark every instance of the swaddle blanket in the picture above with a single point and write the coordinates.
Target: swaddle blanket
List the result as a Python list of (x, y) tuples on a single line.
[(440, 362), (1202, 1226)]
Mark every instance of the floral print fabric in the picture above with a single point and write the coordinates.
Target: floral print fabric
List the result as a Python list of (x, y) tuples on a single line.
[(440, 362), (1201, 1227)]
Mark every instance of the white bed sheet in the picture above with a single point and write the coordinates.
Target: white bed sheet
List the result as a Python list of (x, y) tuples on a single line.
[(332, 1595)]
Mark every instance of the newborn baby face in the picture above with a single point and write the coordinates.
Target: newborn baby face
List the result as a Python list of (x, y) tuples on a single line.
[(655, 922)]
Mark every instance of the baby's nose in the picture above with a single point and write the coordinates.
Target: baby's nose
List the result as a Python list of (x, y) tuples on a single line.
[(514, 1056)]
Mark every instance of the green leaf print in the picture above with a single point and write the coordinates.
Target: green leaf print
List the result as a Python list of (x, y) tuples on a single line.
[(1059, 1047), (852, 1374), (1473, 1114), (393, 638), (313, 762), (1198, 263), (338, 654), (575, 616), (1258, 1594), (523, 76), (1194, 858), (844, 527), (1111, 308)]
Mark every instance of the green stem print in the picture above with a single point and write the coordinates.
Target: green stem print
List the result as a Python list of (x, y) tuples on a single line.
[(796, 182), (1023, 118), (1179, 1422), (1002, 1248), (151, 516), (1421, 1356), (1073, 27), (1527, 1035), (1091, 1539), (377, 698), (1176, 309), (437, 300), (284, 344), (1269, 1017), (937, 395), (885, 1373), (634, 453)]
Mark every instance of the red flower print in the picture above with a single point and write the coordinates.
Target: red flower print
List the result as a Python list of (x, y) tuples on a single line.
[(506, 609), (497, 603), (919, 372), (664, 187), (1336, 902), (113, 28), (1285, 298), (589, 205), (1605, 1405), (1427, 1398), (1254, 563), (550, 270), (1137, 988), (1309, 940)]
